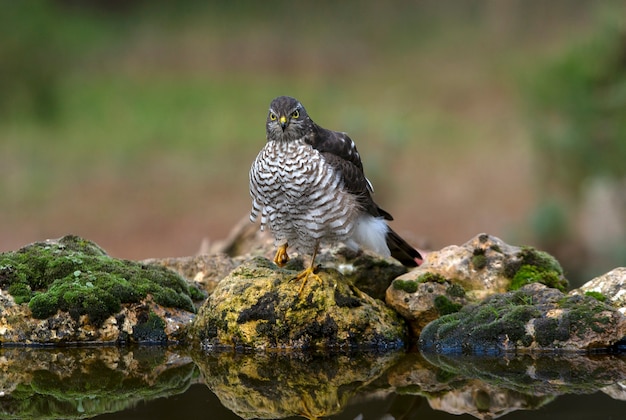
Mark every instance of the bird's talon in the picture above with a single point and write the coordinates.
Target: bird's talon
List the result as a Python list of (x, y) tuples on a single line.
[(281, 258), (304, 277)]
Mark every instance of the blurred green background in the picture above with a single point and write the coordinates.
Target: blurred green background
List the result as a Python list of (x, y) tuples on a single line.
[(133, 123)]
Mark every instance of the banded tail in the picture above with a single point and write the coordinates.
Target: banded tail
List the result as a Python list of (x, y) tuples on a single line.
[(402, 251)]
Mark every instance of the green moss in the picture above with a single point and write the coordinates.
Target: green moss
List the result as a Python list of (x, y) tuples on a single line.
[(151, 329), (455, 290), (429, 277), (408, 286), (448, 323), (533, 266), (531, 274), (498, 318), (540, 259), (586, 313), (596, 295), (479, 259), (196, 294), (44, 305), (76, 276), (445, 306), (21, 292), (496, 248), (549, 331)]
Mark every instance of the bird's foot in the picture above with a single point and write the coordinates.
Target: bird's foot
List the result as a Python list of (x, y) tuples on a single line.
[(281, 258), (304, 276)]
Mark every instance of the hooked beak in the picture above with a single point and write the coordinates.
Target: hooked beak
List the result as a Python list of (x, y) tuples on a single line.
[(283, 122)]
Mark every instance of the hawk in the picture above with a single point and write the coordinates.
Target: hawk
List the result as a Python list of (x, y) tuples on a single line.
[(308, 185)]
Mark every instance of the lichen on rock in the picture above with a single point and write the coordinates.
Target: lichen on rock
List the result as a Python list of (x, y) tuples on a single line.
[(258, 307), (457, 275), (533, 318)]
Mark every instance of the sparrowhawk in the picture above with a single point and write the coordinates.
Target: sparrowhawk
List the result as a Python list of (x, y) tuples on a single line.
[(309, 187)]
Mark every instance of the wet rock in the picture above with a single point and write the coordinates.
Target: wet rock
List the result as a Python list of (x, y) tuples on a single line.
[(533, 318), (609, 287), (456, 275), (258, 307), (70, 291)]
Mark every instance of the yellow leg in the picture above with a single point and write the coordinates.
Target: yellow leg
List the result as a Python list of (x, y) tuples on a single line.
[(281, 257), (308, 272)]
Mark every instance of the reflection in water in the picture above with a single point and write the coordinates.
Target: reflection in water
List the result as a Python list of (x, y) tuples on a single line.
[(489, 387), (86, 382), (278, 385)]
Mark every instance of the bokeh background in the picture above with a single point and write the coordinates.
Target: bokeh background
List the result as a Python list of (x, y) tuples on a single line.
[(134, 123)]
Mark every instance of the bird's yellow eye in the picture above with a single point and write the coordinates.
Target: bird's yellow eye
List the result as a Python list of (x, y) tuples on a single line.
[(273, 116), (295, 114)]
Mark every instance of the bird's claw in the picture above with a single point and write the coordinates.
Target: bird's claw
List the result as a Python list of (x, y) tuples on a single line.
[(281, 258), (304, 277)]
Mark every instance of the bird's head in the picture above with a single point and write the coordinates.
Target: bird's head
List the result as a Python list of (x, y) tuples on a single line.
[(287, 119)]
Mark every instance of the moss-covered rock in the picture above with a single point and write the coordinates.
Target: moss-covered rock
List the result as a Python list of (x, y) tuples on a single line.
[(69, 290), (530, 265), (457, 275), (371, 273), (76, 276), (609, 287), (533, 318), (258, 307)]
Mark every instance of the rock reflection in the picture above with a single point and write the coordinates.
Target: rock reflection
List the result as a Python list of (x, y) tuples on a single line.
[(278, 385), (488, 388), (84, 382)]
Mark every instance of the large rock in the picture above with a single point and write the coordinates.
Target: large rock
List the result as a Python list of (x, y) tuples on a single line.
[(369, 272), (456, 275), (70, 291), (258, 307), (533, 318), (610, 287)]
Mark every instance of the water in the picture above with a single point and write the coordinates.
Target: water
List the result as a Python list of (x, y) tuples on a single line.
[(169, 383)]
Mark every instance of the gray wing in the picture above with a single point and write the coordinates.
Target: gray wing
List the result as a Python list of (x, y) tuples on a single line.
[(340, 152)]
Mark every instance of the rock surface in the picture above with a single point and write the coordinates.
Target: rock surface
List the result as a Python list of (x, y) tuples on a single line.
[(610, 286), (456, 275), (258, 307), (205, 271), (69, 291), (533, 318)]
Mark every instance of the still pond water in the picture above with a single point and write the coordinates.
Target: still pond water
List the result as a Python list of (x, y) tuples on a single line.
[(174, 383)]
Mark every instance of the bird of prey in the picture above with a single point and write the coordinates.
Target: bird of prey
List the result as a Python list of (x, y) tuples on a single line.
[(308, 185)]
